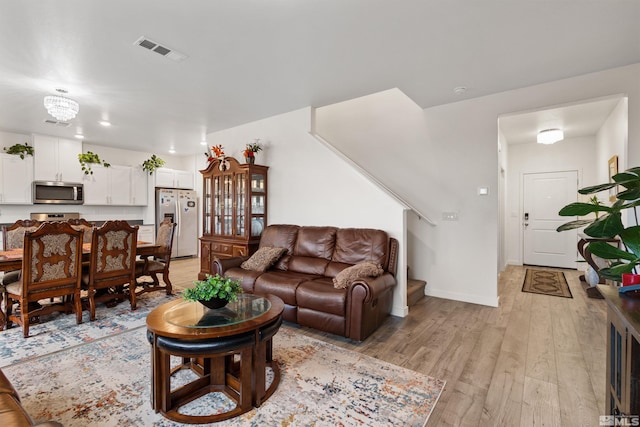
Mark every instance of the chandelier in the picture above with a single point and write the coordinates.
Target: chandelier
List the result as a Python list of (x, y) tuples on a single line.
[(60, 107)]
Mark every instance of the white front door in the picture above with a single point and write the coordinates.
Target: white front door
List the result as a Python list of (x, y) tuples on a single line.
[(544, 195)]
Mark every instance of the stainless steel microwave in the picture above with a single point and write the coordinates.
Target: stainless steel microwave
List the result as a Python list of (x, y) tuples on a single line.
[(61, 193)]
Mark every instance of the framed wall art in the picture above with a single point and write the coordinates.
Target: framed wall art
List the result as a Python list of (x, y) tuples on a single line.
[(613, 169)]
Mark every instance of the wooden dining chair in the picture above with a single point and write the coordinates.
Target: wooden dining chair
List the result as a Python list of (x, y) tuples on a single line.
[(51, 267), (158, 262), (112, 267), (13, 238), (84, 225)]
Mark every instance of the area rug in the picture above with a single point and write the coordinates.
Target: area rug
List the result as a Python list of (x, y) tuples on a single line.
[(546, 282), (59, 331), (106, 383)]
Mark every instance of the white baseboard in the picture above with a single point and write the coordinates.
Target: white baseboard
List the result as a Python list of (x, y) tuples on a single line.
[(400, 311), (457, 296)]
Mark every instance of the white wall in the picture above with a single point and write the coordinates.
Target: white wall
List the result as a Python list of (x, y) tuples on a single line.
[(310, 185), (570, 154), (611, 140)]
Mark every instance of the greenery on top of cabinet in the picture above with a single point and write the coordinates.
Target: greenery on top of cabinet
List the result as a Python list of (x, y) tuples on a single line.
[(87, 159), (20, 150), (152, 163)]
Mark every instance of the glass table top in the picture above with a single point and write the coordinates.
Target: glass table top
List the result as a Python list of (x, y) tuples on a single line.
[(192, 314)]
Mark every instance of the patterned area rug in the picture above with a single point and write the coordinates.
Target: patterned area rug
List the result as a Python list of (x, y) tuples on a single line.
[(546, 282), (101, 378)]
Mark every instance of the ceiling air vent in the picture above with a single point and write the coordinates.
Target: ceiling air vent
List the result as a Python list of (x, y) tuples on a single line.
[(57, 123), (159, 49)]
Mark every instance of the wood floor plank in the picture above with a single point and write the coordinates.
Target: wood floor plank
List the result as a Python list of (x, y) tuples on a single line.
[(540, 404), (579, 404), (541, 359)]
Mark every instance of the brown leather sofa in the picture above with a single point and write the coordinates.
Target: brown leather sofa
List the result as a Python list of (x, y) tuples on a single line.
[(11, 412), (303, 277)]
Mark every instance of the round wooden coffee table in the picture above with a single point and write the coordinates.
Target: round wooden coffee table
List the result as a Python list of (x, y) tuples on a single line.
[(228, 349)]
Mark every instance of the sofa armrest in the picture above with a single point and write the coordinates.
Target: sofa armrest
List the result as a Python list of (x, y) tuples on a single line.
[(367, 289), (220, 265)]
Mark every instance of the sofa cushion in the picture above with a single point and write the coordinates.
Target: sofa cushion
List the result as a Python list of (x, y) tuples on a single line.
[(349, 275), (282, 284), (263, 258), (247, 278), (308, 265), (316, 242), (320, 295), (280, 235), (356, 245)]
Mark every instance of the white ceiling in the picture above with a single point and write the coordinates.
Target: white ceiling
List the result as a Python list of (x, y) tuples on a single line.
[(577, 120), (251, 59)]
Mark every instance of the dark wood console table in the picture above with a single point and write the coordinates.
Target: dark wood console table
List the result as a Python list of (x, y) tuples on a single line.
[(623, 352)]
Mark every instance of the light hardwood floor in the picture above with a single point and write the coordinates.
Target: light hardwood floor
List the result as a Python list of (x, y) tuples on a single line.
[(536, 360)]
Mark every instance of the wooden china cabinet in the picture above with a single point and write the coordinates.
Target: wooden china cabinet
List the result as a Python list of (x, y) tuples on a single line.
[(234, 209)]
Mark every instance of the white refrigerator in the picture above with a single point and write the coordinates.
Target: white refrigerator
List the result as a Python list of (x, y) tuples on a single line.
[(181, 207)]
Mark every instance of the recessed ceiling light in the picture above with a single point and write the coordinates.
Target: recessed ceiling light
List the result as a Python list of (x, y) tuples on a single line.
[(172, 150), (459, 90), (79, 135), (203, 142), (105, 123)]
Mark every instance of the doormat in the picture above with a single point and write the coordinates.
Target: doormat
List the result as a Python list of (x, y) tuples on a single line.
[(546, 282)]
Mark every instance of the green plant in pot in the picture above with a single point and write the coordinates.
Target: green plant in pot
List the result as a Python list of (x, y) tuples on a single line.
[(607, 224), (214, 292)]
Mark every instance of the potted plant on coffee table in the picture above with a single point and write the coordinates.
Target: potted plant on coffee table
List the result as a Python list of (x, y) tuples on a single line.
[(213, 292)]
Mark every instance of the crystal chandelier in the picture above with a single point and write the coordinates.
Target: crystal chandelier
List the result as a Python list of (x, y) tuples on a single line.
[(60, 107)]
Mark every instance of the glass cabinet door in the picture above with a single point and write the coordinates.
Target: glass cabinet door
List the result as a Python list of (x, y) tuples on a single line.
[(258, 203), (227, 205), (241, 196), (217, 205), (207, 207)]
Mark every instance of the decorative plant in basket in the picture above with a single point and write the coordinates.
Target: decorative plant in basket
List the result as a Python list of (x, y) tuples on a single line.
[(213, 292), (152, 163), (21, 150), (607, 224), (87, 159)]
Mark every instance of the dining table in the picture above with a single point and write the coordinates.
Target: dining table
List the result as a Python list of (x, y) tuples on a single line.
[(11, 260)]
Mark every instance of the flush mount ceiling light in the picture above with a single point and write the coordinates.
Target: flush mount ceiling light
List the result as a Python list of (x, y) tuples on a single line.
[(61, 108), (550, 136)]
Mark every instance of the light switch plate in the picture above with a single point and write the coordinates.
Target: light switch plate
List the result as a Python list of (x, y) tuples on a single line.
[(483, 191), (449, 216)]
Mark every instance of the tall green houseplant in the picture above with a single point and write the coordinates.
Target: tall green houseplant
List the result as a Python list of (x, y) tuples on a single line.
[(608, 224)]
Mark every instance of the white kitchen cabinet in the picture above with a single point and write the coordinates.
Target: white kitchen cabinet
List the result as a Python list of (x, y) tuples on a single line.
[(108, 186), (171, 178), (184, 179), (16, 176), (56, 159), (139, 186)]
